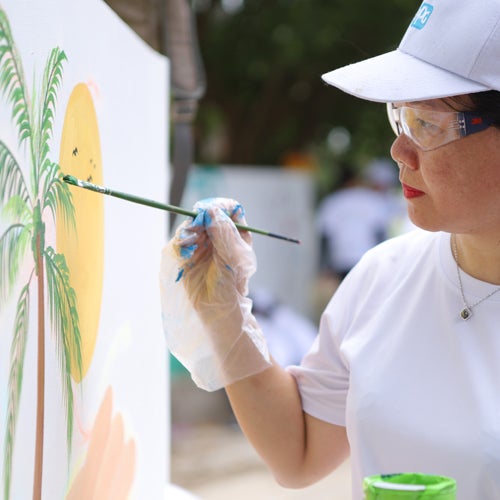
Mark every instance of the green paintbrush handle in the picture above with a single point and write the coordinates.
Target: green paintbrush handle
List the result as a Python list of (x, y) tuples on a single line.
[(70, 179)]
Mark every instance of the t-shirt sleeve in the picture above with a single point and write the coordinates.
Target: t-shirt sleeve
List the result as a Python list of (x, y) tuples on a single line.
[(323, 375)]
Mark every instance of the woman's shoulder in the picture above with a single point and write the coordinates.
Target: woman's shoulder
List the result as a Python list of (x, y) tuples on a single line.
[(408, 245), (412, 251)]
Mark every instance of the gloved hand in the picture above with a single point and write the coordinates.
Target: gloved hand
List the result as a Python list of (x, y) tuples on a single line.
[(207, 315)]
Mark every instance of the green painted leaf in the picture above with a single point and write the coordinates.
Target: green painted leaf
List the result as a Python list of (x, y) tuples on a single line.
[(17, 353)]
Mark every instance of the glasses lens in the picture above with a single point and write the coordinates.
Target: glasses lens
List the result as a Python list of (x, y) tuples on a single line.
[(428, 128)]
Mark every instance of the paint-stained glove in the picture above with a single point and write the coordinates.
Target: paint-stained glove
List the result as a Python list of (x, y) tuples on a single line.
[(207, 315)]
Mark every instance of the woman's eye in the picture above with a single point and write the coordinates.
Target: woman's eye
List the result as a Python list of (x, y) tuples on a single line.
[(428, 127)]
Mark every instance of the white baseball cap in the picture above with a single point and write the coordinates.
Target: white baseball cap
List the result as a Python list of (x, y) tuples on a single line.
[(452, 47)]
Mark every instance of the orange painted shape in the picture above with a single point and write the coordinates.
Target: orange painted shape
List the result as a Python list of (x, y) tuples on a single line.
[(109, 468)]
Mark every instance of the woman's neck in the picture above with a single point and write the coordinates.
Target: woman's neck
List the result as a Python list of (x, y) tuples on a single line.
[(479, 256)]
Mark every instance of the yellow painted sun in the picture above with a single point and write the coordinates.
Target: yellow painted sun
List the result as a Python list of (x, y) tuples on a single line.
[(80, 156)]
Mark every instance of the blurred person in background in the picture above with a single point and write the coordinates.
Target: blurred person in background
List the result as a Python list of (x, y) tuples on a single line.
[(289, 334), (356, 217)]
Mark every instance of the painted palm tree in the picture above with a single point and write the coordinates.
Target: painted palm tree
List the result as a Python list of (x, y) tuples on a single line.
[(26, 201)]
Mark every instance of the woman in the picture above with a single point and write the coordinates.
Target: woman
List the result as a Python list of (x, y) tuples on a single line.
[(404, 374)]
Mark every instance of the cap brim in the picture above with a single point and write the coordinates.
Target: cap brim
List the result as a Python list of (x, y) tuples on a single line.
[(399, 77)]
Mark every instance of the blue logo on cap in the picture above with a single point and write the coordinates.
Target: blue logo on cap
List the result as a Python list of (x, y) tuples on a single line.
[(422, 16)]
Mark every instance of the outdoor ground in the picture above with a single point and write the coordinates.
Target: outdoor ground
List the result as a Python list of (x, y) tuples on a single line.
[(215, 462)]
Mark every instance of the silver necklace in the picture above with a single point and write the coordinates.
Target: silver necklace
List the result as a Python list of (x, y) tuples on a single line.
[(466, 312)]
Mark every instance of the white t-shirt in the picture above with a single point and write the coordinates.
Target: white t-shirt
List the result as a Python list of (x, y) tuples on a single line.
[(417, 387)]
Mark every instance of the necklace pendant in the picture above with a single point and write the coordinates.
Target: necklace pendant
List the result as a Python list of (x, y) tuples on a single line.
[(465, 313)]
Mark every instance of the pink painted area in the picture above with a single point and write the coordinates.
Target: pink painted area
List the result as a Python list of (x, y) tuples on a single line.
[(109, 468)]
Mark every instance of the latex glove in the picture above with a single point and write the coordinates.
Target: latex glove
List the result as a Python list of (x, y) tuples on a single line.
[(207, 316)]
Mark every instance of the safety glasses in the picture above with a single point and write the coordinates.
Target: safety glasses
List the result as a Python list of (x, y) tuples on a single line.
[(430, 129)]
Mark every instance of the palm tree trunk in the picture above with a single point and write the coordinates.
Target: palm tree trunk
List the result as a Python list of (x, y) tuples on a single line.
[(40, 404)]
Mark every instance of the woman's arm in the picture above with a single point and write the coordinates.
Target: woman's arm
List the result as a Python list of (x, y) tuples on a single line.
[(210, 328), (298, 448)]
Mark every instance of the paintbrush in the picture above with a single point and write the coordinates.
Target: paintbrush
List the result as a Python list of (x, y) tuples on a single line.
[(70, 179)]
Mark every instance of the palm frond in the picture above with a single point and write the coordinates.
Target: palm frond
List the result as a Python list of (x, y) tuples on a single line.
[(17, 209), (13, 245), (52, 78), (57, 195), (65, 323), (34, 170), (12, 181), (17, 352), (12, 81)]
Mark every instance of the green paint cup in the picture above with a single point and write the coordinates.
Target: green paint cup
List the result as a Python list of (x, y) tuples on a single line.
[(409, 486)]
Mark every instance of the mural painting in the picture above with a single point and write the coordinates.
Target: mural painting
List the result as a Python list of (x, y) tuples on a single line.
[(25, 202), (67, 347)]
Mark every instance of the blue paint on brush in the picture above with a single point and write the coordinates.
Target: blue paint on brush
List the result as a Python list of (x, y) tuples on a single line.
[(179, 276)]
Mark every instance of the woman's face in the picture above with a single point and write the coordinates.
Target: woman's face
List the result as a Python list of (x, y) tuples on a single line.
[(456, 187)]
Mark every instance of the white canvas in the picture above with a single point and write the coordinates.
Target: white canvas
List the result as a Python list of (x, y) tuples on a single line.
[(127, 369)]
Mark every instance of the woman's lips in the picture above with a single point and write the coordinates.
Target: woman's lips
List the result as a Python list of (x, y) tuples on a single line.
[(410, 192)]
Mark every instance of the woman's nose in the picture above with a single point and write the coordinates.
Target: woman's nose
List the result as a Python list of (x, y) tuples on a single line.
[(403, 151)]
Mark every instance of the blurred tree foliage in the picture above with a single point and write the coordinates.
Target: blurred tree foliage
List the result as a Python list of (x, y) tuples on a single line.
[(265, 97)]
